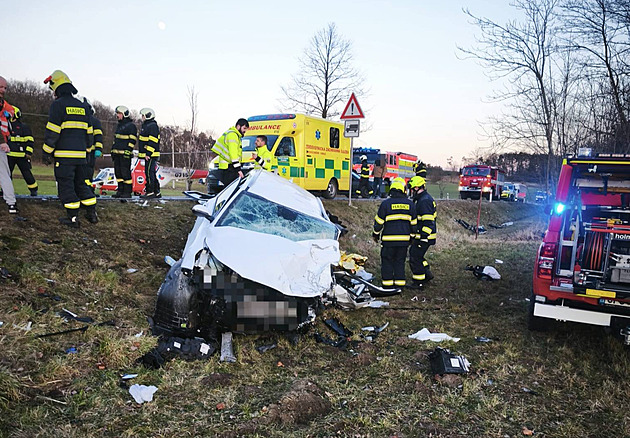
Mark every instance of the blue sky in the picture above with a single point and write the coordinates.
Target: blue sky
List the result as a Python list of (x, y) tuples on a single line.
[(237, 55)]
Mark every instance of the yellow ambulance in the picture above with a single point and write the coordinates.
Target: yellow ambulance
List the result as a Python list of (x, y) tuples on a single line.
[(309, 151)]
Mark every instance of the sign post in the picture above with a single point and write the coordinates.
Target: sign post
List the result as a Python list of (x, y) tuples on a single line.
[(352, 115)]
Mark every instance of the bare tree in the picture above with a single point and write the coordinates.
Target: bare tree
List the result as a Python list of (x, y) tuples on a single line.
[(521, 52), (326, 76), (595, 29)]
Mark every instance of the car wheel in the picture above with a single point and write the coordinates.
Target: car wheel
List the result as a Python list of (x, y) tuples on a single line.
[(332, 189), (536, 323), (462, 196)]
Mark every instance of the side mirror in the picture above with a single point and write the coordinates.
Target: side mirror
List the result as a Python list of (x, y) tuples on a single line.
[(199, 211)]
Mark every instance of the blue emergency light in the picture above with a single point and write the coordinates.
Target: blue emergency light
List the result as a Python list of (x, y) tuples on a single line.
[(271, 117), (559, 208)]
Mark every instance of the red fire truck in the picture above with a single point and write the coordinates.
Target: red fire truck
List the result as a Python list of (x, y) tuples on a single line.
[(480, 179), (398, 163)]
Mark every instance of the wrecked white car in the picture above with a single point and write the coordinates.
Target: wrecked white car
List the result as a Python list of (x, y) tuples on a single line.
[(258, 258)]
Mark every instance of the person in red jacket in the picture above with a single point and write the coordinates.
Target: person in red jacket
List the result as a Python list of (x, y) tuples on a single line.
[(6, 114)]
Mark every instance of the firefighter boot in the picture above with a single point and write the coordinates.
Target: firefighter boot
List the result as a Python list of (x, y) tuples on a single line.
[(33, 192), (72, 220), (126, 191), (429, 275), (91, 215), (416, 285)]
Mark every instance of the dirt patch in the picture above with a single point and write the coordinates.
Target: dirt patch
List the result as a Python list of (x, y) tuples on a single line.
[(216, 380), (364, 359), (304, 402)]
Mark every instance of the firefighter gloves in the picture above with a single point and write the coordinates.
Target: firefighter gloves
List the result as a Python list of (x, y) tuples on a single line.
[(47, 158)]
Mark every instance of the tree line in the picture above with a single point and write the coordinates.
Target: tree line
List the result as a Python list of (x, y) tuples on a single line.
[(192, 148), (564, 77)]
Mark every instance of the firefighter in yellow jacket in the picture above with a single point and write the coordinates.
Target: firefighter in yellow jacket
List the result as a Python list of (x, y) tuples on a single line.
[(229, 148), (426, 235), (122, 151), (262, 156), (68, 136), (21, 145), (395, 224)]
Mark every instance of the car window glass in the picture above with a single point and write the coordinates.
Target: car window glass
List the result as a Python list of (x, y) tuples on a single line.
[(286, 148), (334, 138), (254, 213)]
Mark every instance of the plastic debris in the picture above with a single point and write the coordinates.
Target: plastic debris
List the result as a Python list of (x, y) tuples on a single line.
[(484, 272), (1, 323), (65, 313), (137, 335), (4, 273), (482, 339), (444, 362), (169, 260), (426, 335), (128, 376), (374, 331), (498, 262), (142, 393), (377, 304), (71, 350), (335, 325), (26, 327), (227, 350), (131, 270), (264, 348)]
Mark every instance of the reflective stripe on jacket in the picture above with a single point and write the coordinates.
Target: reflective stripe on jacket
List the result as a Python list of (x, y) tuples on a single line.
[(68, 130), (125, 138), (263, 158), (396, 220), (426, 210), (229, 149), (149, 145), (21, 140)]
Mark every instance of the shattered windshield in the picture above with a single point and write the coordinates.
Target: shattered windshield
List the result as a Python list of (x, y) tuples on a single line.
[(251, 212)]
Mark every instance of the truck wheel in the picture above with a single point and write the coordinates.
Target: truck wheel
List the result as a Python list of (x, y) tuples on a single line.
[(462, 196), (332, 189), (536, 323)]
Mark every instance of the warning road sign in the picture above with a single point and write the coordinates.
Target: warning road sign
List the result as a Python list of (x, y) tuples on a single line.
[(353, 110)]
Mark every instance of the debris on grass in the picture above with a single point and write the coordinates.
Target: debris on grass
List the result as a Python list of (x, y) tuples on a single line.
[(131, 271), (264, 348), (484, 272), (142, 393), (4, 273), (65, 313), (128, 376), (335, 325), (444, 362), (426, 335), (377, 304), (71, 350), (227, 349), (483, 339)]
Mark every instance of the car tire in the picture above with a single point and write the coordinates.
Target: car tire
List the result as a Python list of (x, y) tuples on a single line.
[(462, 196), (332, 189), (536, 323)]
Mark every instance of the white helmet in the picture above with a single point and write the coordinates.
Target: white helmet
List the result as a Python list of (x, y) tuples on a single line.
[(148, 113), (123, 110), (363, 157)]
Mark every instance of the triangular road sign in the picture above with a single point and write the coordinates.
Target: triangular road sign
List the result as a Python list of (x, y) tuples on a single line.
[(353, 110)]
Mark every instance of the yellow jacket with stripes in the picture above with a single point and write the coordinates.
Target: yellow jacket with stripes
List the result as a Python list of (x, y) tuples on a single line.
[(396, 220), (68, 130), (125, 138), (229, 148), (263, 158), (426, 210), (21, 140), (149, 144)]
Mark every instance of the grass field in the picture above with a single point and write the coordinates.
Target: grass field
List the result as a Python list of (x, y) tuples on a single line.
[(566, 383)]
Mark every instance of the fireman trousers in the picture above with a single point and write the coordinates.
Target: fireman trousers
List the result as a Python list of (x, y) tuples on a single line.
[(88, 170), (150, 172), (122, 171), (24, 164), (393, 265), (72, 190), (365, 189), (418, 264)]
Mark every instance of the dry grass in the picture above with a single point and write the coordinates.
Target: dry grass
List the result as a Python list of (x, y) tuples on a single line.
[(576, 374)]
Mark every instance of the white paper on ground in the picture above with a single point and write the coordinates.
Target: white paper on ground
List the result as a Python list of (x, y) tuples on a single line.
[(142, 393), (426, 335)]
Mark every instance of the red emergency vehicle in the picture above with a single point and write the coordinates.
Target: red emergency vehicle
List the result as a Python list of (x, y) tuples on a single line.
[(480, 179), (398, 163), (582, 270)]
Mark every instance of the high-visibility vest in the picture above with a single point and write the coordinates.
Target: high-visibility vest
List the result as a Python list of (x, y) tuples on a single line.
[(229, 148)]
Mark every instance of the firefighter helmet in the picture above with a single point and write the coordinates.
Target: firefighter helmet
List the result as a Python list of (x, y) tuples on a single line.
[(57, 78), (363, 157), (416, 181), (16, 113), (123, 110), (398, 184), (148, 113)]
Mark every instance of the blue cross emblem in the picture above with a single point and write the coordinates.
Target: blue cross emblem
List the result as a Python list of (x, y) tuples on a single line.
[(318, 134)]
